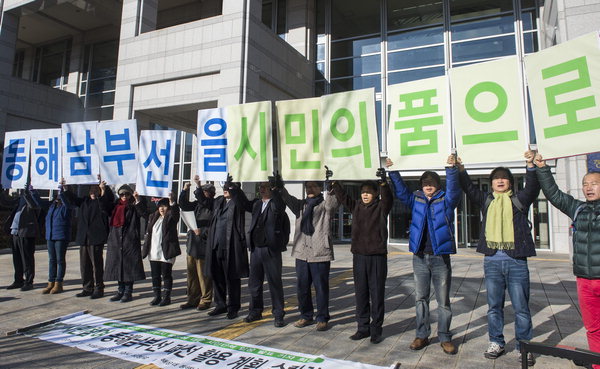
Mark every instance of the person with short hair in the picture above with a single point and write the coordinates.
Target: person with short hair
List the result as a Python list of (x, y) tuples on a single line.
[(586, 243), (432, 242), (505, 240), (369, 252)]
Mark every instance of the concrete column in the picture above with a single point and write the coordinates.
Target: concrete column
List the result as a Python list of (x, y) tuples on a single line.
[(9, 26), (301, 24)]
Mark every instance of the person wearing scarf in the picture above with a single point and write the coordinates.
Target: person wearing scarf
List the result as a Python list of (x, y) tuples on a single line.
[(313, 250), (505, 240)]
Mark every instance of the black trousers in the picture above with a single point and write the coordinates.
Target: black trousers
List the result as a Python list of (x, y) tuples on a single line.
[(370, 273), (224, 285), (264, 262), (91, 265), (161, 271), (23, 249)]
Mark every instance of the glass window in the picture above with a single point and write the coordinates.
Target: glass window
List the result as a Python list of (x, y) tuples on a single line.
[(267, 13), (402, 14), (530, 42), (102, 85), (356, 83), (483, 49), (529, 20), (461, 9), (416, 38), (320, 51), (171, 13), (356, 66), (101, 99), (482, 28), (416, 58), (355, 47), (104, 60), (351, 18), (414, 74)]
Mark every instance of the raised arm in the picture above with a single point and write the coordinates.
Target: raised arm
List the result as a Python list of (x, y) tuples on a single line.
[(473, 192), (342, 196), (292, 202), (531, 190), (560, 200), (184, 199)]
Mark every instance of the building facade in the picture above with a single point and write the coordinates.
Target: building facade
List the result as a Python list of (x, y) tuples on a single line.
[(160, 61)]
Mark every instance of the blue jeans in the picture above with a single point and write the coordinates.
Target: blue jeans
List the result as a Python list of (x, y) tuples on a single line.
[(57, 264), (513, 275), (434, 269)]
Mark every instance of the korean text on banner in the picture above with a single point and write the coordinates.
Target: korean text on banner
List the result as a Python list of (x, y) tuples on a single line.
[(419, 129), (117, 151), (300, 147), (156, 163), (15, 161), (80, 153), (349, 134), (250, 148), (564, 85), (488, 113), (46, 158), (212, 144)]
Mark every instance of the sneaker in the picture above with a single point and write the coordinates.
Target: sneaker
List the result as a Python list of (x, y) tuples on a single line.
[(493, 351), (530, 358), (303, 323)]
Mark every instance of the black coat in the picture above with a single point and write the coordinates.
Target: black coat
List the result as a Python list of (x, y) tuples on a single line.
[(31, 222), (92, 219), (274, 218), (237, 253), (123, 247), (203, 211), (170, 233)]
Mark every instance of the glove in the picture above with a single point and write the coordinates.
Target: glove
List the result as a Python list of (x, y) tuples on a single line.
[(328, 173), (275, 181), (381, 174)]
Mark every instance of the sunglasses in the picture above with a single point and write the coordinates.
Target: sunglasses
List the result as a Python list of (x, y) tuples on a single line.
[(124, 194)]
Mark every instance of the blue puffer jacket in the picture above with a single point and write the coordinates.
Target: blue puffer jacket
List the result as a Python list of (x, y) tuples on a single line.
[(437, 212), (58, 220)]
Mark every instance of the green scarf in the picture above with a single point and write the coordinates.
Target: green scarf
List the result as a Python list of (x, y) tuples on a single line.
[(499, 228)]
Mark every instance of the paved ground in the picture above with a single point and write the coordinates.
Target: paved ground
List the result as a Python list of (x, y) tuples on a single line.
[(556, 316)]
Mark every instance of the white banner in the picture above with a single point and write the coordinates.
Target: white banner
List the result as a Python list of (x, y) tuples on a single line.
[(80, 153), (170, 349), (156, 163), (212, 144), (117, 151), (15, 161), (46, 158)]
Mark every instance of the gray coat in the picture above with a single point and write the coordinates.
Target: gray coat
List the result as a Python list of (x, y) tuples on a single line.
[(318, 247)]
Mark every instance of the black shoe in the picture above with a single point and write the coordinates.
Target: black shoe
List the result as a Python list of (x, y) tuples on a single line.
[(117, 297), (376, 339), (97, 294), (126, 297), (155, 301), (165, 301), (232, 315), (187, 305), (15, 285), (217, 311), (359, 336), (279, 323), (84, 293), (27, 287), (252, 317)]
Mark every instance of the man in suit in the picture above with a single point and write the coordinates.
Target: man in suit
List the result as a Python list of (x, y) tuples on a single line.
[(267, 238)]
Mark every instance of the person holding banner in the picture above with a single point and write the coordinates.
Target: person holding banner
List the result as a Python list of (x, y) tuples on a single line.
[(58, 233), (313, 250), (123, 247), (24, 225), (505, 240), (91, 235), (432, 242), (369, 252), (199, 286), (586, 243), (267, 238), (227, 255), (161, 246)]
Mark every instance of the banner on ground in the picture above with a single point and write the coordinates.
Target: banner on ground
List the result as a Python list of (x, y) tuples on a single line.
[(156, 163), (170, 349), (46, 158), (419, 131), (564, 86), (488, 112), (80, 154), (15, 159), (212, 144), (117, 151)]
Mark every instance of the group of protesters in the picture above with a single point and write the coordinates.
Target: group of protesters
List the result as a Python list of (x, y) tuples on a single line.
[(217, 248)]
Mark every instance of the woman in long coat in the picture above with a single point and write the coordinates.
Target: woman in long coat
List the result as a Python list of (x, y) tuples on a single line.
[(123, 248)]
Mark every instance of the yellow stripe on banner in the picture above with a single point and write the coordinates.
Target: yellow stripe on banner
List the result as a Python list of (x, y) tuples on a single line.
[(235, 330), (480, 256)]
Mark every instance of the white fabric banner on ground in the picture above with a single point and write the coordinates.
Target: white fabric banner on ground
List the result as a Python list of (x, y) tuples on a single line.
[(117, 151), (80, 153), (15, 161), (156, 163), (212, 144), (170, 349), (189, 218), (46, 158), (564, 85), (419, 129)]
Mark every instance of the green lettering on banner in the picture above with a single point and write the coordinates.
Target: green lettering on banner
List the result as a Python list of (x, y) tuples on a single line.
[(569, 108), (315, 126), (245, 142), (289, 137), (365, 147), (301, 139), (417, 124), (364, 130), (263, 141), (490, 116)]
